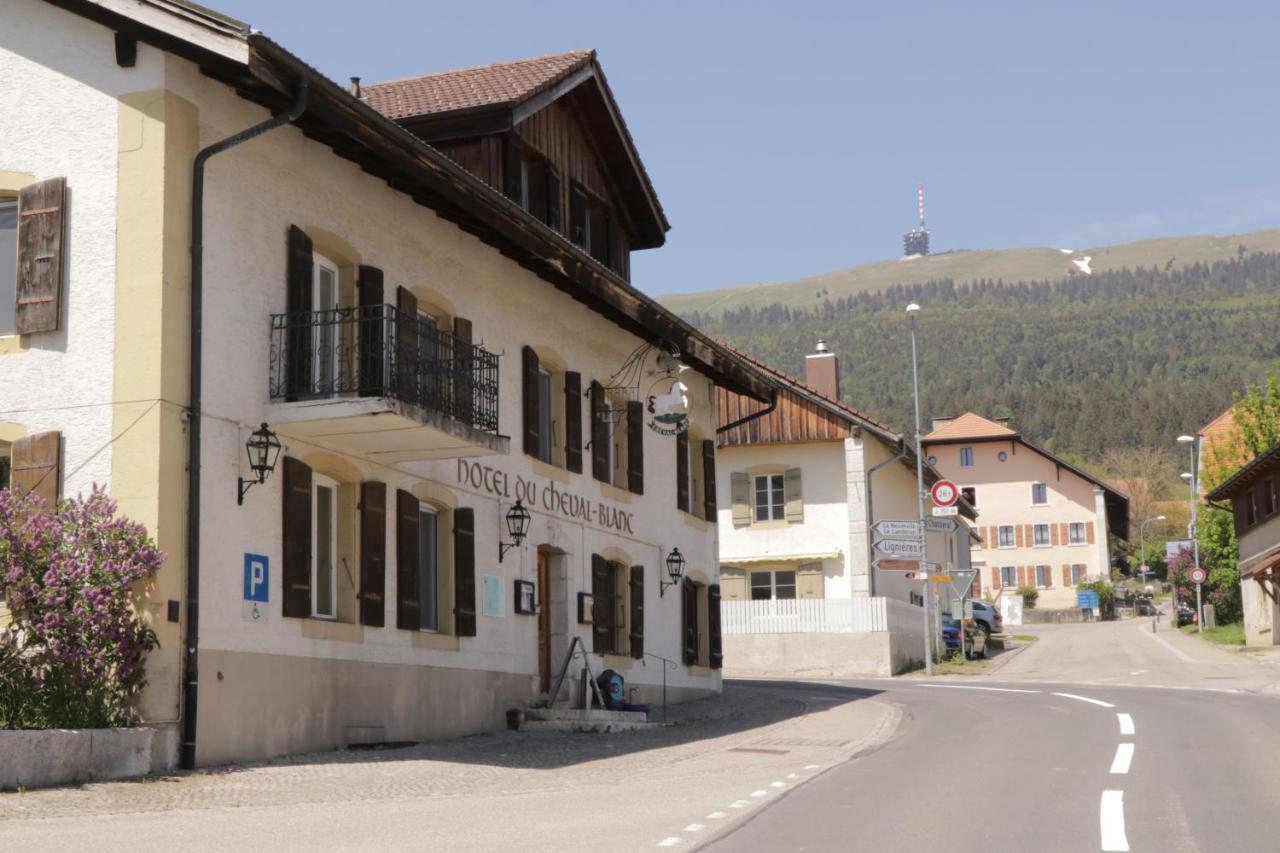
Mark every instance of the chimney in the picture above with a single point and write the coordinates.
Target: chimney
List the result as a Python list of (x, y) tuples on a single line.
[(941, 421), (354, 88), (822, 371)]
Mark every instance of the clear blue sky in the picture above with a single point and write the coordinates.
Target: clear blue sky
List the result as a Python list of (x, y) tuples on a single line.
[(787, 138)]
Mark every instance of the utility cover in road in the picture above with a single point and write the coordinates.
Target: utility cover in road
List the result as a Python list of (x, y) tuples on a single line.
[(944, 493), (941, 525), (900, 529), (946, 510), (890, 565), (900, 547)]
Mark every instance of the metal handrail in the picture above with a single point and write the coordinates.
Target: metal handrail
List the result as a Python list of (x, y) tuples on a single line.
[(669, 664), (574, 647)]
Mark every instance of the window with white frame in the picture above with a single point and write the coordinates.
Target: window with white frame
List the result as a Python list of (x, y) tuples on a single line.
[(770, 505), (545, 437), (428, 569), (1008, 576), (1044, 577), (1040, 535), (1006, 536), (1075, 533), (324, 298), (773, 585), (324, 547), (966, 457), (1077, 573), (1039, 494)]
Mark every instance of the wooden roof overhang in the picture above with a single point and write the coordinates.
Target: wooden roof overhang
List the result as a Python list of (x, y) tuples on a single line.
[(352, 129), (1266, 464)]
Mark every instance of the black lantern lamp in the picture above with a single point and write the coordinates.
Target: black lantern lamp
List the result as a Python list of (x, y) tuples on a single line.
[(675, 570), (263, 448), (517, 528)]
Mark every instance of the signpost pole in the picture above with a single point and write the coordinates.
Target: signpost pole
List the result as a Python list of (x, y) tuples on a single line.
[(912, 310)]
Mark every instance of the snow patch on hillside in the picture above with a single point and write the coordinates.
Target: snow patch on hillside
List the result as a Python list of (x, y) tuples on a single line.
[(1083, 264), (1067, 251)]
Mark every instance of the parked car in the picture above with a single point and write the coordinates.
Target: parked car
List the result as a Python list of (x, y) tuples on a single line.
[(1186, 615), (988, 618), (964, 636)]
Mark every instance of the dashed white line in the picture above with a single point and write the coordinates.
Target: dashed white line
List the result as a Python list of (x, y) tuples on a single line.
[(1139, 671), (777, 784), (1097, 702), (1126, 724), (812, 766), (793, 776), (975, 687), (695, 827), (760, 793), (1111, 822), (717, 816), (1124, 757), (673, 840), (739, 804)]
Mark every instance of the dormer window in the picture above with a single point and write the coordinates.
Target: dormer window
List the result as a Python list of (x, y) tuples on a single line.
[(579, 218)]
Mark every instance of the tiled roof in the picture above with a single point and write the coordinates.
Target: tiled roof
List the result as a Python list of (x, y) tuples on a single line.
[(970, 425), (483, 85)]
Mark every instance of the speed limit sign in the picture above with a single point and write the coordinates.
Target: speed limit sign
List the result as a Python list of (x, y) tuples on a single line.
[(1198, 575), (945, 493)]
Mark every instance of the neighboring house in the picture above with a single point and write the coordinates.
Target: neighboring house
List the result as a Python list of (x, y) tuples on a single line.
[(805, 480), (428, 349), (1254, 492), (1044, 523)]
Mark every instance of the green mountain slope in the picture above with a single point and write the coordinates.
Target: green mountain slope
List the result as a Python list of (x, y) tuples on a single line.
[(1010, 265)]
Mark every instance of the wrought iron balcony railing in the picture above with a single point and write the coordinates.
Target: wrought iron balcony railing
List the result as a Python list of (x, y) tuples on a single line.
[(378, 351)]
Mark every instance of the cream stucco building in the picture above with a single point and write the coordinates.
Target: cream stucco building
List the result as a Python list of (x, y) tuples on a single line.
[(432, 338)]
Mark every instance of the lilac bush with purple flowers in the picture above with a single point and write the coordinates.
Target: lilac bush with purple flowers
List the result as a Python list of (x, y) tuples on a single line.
[(73, 655)]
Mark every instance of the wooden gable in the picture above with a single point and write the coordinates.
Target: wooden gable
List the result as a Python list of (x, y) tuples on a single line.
[(794, 419)]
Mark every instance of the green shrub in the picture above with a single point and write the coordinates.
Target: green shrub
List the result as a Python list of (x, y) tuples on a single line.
[(1029, 596)]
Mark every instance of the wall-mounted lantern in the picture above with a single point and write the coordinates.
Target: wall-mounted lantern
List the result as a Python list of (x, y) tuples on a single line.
[(675, 570), (517, 529), (263, 448)]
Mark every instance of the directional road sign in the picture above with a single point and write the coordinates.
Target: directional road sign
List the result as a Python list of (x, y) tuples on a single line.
[(899, 529), (944, 493), (900, 547), (945, 510), (889, 564), (940, 525)]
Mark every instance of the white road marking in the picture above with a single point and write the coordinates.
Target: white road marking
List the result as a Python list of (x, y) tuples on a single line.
[(975, 687), (1111, 821), (739, 804), (793, 775), (1124, 756), (1097, 702), (672, 841), (812, 766), (695, 827), (1168, 645), (760, 793), (1139, 671), (717, 816), (1126, 724)]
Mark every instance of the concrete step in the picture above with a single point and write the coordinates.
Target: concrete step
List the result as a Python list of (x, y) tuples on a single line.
[(581, 715), (591, 726)]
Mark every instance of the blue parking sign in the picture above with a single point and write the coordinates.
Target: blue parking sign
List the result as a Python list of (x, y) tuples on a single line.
[(257, 578)]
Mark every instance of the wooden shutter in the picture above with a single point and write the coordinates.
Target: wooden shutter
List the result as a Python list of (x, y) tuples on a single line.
[(369, 286), (464, 363), (573, 421), (599, 435), (1088, 532), (636, 617), (602, 605), (995, 578), (577, 216), (554, 197), (709, 479), (406, 351), (373, 553), (532, 420), (1053, 534), (689, 622), (682, 472), (296, 578), (464, 572), (792, 495), (1066, 574), (740, 497), (512, 183), (1017, 530), (41, 245), (35, 465), (408, 570), (298, 275), (713, 626), (635, 447)]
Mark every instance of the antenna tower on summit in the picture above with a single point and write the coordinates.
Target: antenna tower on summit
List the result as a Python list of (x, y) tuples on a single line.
[(916, 241)]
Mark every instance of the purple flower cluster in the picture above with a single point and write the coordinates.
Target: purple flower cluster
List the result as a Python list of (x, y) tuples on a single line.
[(74, 576)]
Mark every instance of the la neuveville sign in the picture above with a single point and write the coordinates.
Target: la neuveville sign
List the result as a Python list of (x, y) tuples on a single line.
[(544, 494)]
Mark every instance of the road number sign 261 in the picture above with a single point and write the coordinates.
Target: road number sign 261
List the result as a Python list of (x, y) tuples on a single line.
[(945, 493)]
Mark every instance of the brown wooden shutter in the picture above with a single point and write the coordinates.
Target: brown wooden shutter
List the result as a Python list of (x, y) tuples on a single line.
[(464, 572), (573, 421), (635, 447), (406, 351), (1066, 574), (296, 534), (713, 626), (602, 629), (1018, 535), (463, 367), (1053, 534), (408, 570), (740, 498), (512, 183), (554, 198), (532, 419), (689, 622), (709, 479), (636, 617), (369, 286), (35, 465), (373, 553), (41, 245), (298, 274), (995, 577), (793, 496), (1088, 532), (599, 435), (682, 471)]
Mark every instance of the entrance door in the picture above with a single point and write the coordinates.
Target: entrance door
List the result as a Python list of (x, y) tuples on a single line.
[(544, 621)]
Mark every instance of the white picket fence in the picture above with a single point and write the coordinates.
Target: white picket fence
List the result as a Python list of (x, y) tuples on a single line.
[(819, 616)]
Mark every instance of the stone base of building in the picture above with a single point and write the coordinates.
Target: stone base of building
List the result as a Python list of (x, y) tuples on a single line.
[(39, 758), (872, 653)]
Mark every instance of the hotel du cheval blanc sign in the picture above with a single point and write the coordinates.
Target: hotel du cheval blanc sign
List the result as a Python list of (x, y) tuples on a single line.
[(545, 494)]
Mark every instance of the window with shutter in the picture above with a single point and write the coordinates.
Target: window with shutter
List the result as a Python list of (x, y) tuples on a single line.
[(793, 496), (601, 458), (300, 272), (635, 623), (689, 622), (554, 195), (635, 447), (428, 568), (296, 536), (512, 169), (373, 553), (464, 572), (709, 479), (682, 471), (408, 603), (602, 606), (573, 421), (713, 626), (530, 389), (463, 366), (406, 350), (369, 281), (41, 243), (35, 465), (579, 220)]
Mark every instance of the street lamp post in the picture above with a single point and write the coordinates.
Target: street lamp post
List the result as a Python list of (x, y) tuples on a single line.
[(912, 310), (1193, 480)]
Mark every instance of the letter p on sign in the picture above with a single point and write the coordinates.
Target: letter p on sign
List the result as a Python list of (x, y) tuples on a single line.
[(257, 578)]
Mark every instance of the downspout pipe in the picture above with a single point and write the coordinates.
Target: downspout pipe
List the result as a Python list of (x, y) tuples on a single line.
[(871, 557), (773, 404), (191, 671)]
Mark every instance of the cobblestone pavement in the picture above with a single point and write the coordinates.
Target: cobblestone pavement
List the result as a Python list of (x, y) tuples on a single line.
[(477, 793)]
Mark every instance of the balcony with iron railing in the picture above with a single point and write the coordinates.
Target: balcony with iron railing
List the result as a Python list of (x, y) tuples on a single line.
[(376, 381)]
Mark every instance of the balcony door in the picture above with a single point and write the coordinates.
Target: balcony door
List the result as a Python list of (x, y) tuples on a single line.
[(325, 337)]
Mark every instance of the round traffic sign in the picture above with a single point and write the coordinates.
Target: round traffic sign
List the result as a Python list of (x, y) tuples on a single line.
[(945, 493), (1198, 575)]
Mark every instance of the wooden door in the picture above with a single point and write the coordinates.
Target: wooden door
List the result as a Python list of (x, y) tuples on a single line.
[(544, 621)]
